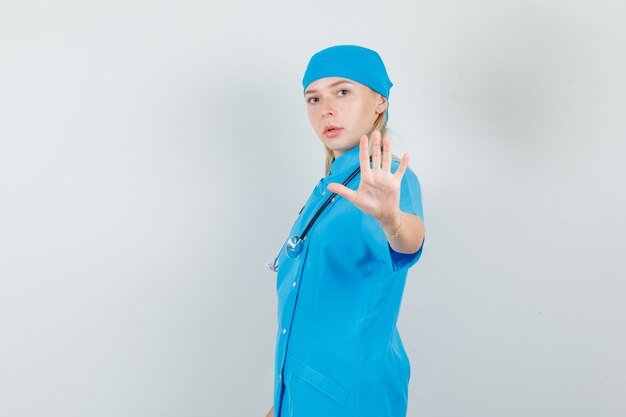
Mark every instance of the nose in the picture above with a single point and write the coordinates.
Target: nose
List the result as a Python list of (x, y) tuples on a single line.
[(327, 108)]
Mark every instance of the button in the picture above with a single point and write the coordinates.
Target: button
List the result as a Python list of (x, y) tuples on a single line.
[(284, 331), (294, 284)]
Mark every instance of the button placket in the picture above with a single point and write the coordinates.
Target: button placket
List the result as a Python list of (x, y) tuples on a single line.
[(289, 310)]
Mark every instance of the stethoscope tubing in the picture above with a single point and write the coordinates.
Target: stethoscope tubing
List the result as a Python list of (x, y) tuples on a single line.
[(326, 203), (294, 243)]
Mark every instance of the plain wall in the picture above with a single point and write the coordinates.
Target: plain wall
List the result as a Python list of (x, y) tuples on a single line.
[(153, 156)]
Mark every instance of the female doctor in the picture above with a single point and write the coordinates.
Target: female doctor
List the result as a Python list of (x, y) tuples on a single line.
[(342, 271)]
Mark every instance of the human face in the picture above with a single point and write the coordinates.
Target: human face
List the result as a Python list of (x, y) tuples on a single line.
[(348, 108)]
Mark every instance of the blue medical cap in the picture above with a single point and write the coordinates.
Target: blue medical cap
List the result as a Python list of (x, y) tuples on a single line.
[(354, 62)]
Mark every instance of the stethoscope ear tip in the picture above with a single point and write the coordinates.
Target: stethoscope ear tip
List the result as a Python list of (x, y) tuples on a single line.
[(272, 266)]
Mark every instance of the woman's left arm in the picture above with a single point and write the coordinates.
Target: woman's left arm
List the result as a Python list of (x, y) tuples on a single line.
[(405, 232), (378, 195)]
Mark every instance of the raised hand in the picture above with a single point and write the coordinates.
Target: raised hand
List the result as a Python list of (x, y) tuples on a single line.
[(378, 193)]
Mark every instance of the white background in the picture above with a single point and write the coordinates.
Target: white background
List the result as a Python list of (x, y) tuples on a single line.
[(153, 156)]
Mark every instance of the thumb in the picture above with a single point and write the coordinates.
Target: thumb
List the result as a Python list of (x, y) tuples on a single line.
[(342, 190)]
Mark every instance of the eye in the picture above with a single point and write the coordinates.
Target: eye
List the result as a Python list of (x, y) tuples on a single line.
[(308, 100), (342, 90)]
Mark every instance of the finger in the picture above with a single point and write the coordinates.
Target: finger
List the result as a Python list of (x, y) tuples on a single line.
[(364, 157), (387, 154), (403, 165), (376, 151), (342, 191)]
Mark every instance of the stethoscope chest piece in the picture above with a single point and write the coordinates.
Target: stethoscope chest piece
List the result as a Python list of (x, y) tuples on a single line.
[(293, 246)]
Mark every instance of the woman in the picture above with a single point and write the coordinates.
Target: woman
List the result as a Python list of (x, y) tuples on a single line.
[(340, 280)]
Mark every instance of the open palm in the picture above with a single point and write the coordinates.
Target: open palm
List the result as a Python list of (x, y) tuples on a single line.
[(378, 193)]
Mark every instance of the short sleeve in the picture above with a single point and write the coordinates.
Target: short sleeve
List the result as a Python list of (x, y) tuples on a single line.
[(410, 202)]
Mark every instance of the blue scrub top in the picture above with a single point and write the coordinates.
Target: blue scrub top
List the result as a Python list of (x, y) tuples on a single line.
[(338, 350)]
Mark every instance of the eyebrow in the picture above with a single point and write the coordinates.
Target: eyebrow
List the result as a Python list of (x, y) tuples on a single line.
[(332, 85)]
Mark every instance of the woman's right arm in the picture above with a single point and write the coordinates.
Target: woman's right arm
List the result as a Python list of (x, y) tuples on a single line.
[(271, 412)]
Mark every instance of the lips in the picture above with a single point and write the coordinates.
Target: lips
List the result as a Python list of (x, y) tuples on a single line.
[(332, 130)]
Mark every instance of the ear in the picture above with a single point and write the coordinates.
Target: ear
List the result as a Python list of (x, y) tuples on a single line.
[(381, 103)]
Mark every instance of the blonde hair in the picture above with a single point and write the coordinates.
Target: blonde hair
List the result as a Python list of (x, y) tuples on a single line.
[(379, 124)]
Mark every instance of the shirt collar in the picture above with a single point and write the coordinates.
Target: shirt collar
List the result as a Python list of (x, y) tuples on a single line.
[(347, 161)]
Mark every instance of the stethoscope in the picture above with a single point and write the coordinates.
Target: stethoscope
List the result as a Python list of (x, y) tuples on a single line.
[(294, 243)]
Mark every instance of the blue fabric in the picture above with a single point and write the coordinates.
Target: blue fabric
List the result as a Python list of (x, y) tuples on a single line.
[(338, 350), (354, 62)]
